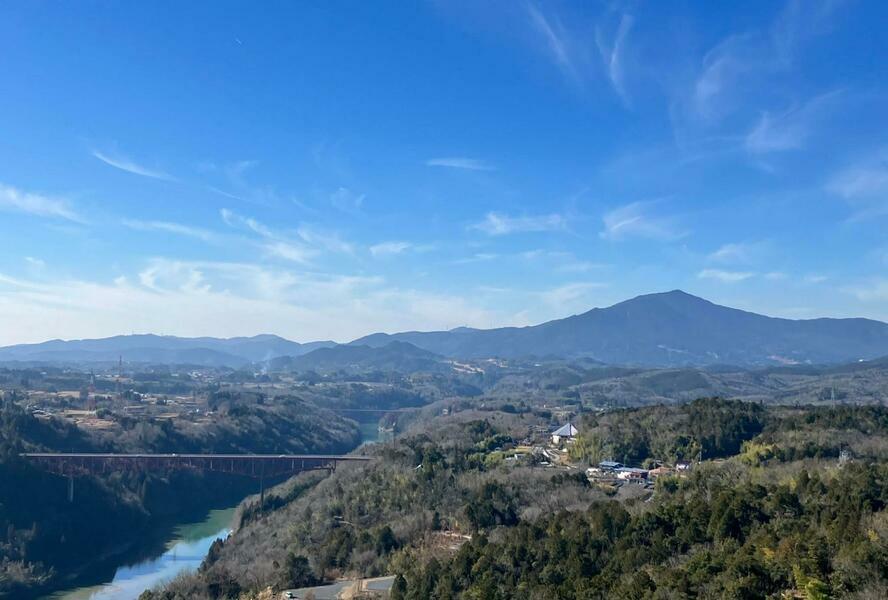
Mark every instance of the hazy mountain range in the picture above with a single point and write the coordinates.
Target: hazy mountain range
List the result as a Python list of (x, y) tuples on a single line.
[(665, 329), (671, 328), (394, 356), (149, 348)]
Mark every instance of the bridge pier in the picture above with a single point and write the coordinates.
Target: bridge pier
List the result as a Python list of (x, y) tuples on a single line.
[(261, 495)]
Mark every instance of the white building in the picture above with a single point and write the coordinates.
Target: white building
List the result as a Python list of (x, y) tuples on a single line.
[(566, 433)]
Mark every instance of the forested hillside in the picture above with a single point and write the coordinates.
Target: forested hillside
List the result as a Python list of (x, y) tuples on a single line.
[(45, 537), (772, 510)]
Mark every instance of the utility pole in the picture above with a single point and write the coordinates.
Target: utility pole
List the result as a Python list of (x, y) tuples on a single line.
[(119, 369)]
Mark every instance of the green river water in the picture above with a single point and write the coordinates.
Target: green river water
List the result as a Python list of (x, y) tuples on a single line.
[(185, 550)]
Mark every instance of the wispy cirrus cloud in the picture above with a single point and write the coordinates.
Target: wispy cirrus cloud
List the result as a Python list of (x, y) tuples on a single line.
[(740, 252), (322, 238), (612, 55), (775, 276), (872, 290), (864, 186), (791, 129), (734, 73), (734, 58), (33, 203), (495, 223), (579, 266), (273, 243), (563, 262), (228, 299), (171, 227), (572, 295), (475, 258), (290, 251), (559, 43), (460, 162), (392, 248), (638, 219), (118, 161), (347, 200), (233, 219), (725, 276)]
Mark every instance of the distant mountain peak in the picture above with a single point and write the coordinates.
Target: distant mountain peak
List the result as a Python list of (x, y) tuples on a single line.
[(664, 329), (672, 328)]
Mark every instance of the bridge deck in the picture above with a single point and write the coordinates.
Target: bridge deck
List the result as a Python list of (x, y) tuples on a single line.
[(252, 465), (337, 457)]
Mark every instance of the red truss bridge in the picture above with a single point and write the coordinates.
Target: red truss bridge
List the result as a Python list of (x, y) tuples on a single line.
[(251, 465), (260, 466)]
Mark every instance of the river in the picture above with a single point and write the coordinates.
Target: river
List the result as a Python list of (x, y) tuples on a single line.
[(185, 550)]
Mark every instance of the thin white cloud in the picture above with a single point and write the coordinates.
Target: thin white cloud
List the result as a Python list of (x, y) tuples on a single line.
[(563, 262), (739, 253), (495, 223), (170, 227), (457, 162), (613, 58), (874, 290), (17, 200), (791, 129), (324, 239), (571, 295), (637, 220), (558, 42), (389, 248), (580, 266), (775, 276), (859, 182), (723, 67), (738, 71), (228, 299), (864, 186), (799, 21), (236, 185), (125, 164), (725, 276), (815, 278), (347, 201), (289, 251), (475, 258), (35, 263), (235, 220), (274, 244)]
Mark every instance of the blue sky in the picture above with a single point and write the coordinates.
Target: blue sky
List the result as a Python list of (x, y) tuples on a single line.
[(326, 170)]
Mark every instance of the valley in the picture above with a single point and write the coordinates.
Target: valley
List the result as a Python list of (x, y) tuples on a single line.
[(462, 455)]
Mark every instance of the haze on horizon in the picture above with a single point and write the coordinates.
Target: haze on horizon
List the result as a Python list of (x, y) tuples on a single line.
[(330, 171)]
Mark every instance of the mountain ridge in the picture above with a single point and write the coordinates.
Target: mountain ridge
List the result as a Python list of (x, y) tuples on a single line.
[(149, 347), (662, 329), (666, 329)]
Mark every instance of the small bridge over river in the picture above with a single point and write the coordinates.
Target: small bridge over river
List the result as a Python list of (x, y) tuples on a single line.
[(258, 466)]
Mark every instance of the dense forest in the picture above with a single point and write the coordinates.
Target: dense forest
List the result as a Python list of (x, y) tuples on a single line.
[(781, 502), (723, 533), (45, 538)]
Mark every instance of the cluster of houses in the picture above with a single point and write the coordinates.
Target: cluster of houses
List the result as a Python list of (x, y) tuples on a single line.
[(611, 470)]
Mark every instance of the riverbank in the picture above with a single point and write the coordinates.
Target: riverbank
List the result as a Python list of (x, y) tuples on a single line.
[(46, 542), (184, 551), (176, 543)]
